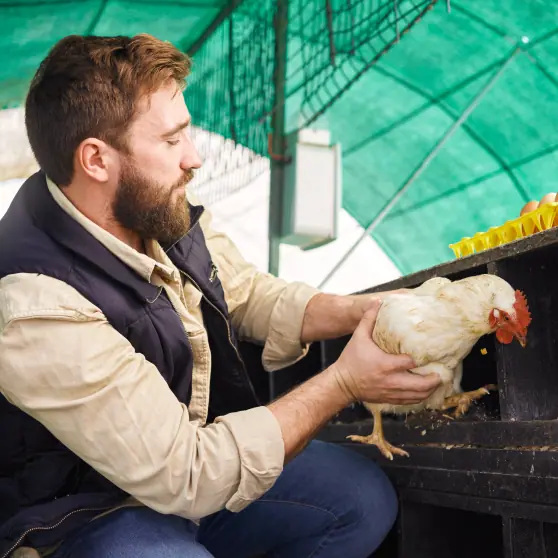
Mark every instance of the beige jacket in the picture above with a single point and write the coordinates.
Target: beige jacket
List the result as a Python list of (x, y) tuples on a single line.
[(63, 364)]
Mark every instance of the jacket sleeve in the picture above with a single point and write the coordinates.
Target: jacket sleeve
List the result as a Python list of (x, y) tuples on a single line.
[(263, 308), (63, 364)]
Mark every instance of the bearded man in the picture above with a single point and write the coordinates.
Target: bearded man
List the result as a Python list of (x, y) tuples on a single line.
[(129, 424)]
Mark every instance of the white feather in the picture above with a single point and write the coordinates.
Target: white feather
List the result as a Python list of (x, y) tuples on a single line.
[(438, 324)]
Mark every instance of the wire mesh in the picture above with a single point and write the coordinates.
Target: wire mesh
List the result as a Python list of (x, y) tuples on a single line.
[(334, 42), (331, 43), (230, 89)]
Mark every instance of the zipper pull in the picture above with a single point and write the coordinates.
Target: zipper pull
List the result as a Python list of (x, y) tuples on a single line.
[(213, 274)]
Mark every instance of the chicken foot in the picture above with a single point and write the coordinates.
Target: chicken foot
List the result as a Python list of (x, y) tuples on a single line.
[(377, 438), (462, 401)]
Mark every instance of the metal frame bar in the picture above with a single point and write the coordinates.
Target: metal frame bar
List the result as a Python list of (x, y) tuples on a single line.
[(277, 181), (212, 27), (425, 162), (395, 12), (329, 15), (95, 21), (232, 99), (342, 90)]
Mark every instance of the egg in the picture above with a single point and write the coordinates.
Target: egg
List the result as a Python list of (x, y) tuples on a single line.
[(528, 207), (548, 198)]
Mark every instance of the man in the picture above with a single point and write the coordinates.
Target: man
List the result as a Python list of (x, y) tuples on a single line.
[(130, 427)]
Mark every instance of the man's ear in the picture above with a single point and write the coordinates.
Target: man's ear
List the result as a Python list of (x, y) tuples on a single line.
[(95, 158)]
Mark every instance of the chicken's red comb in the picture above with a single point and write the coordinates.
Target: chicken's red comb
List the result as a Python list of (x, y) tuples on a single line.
[(521, 309)]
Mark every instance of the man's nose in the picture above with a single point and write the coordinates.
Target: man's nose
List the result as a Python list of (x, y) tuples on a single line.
[(191, 158)]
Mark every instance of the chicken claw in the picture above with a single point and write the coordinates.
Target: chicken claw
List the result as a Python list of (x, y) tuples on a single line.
[(377, 437), (462, 401), (381, 443)]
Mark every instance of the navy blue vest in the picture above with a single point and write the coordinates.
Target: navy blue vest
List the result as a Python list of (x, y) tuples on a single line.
[(41, 481)]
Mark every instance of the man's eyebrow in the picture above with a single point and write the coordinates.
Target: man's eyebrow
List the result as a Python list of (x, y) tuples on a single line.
[(177, 128)]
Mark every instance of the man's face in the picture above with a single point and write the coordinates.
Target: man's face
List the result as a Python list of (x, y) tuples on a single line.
[(149, 208), (151, 195)]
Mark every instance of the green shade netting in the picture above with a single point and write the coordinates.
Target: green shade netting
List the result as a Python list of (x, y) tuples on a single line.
[(387, 109), (28, 28)]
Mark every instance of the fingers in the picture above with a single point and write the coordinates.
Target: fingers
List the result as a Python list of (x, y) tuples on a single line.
[(368, 320), (430, 382), (406, 400), (401, 363), (415, 384), (411, 397)]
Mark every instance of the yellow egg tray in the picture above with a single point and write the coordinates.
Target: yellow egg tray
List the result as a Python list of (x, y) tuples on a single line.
[(540, 219)]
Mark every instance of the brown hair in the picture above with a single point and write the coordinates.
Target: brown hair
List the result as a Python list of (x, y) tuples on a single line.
[(89, 87)]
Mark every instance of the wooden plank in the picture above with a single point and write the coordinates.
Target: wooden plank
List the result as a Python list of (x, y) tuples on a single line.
[(493, 506), (528, 378), (434, 532), (532, 464), (480, 484), (489, 434), (525, 538)]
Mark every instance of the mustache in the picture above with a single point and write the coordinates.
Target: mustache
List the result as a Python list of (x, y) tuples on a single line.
[(188, 176)]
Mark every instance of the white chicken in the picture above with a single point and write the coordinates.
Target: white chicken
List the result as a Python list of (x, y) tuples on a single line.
[(438, 324)]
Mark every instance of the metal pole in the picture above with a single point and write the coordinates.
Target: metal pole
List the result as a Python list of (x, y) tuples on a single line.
[(424, 164), (396, 14), (222, 16), (278, 139), (277, 155)]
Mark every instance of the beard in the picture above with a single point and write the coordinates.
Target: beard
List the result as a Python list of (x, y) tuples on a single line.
[(150, 209)]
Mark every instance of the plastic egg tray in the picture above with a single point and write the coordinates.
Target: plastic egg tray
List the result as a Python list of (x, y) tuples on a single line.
[(540, 219)]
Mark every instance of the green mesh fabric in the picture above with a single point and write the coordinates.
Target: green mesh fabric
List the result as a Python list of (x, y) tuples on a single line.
[(28, 28), (387, 101), (231, 87), (230, 93), (331, 43), (503, 155)]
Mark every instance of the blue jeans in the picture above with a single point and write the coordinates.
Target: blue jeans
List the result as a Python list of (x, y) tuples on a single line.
[(329, 502)]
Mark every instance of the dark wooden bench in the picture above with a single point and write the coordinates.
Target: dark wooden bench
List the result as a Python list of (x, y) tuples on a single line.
[(484, 486)]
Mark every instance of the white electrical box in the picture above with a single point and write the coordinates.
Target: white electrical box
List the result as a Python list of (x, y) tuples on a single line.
[(312, 193)]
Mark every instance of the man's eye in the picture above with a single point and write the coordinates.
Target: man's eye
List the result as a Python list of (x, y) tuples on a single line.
[(173, 142)]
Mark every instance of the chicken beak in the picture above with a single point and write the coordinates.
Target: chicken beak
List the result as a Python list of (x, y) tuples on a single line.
[(522, 339)]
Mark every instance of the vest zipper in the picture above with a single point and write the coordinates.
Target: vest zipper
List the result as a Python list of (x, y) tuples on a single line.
[(50, 527), (183, 327), (228, 330)]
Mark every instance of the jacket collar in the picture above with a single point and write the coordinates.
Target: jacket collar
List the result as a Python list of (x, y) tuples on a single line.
[(65, 230)]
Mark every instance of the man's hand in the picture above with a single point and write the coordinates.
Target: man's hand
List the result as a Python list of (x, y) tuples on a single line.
[(365, 373), (328, 316), (363, 302)]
